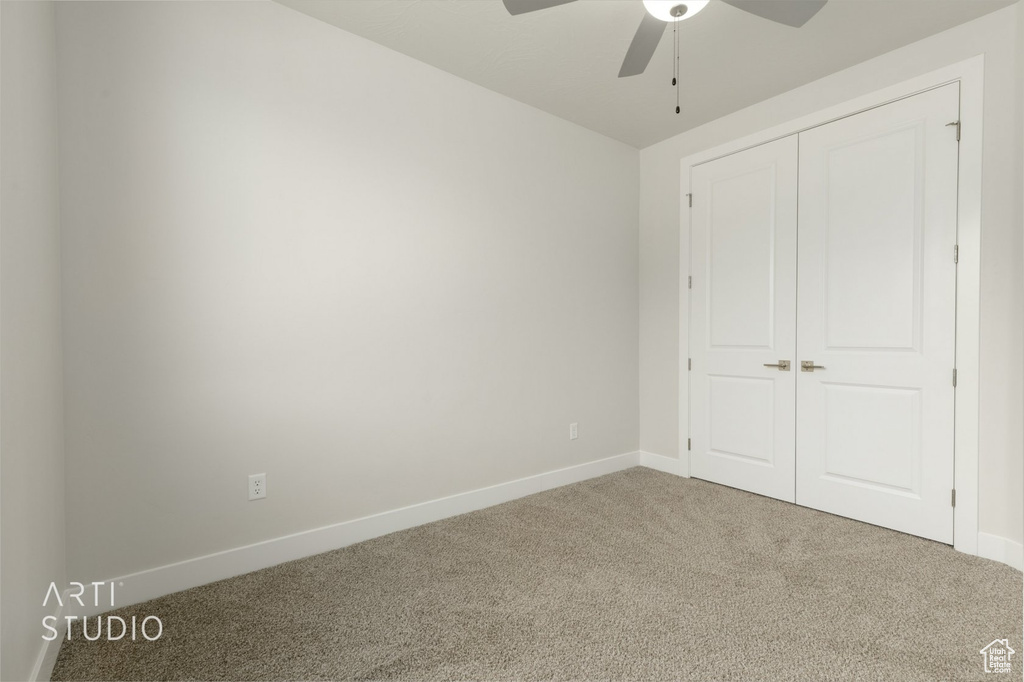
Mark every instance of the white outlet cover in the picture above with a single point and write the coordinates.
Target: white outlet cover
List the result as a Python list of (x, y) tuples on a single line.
[(257, 486), (573, 431)]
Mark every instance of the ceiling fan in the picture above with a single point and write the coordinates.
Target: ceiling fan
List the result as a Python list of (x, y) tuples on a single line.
[(660, 13)]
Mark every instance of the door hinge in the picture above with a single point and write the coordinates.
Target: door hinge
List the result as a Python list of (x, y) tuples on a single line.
[(954, 377), (689, 363), (956, 253), (952, 498), (688, 443), (689, 282), (689, 197), (957, 124)]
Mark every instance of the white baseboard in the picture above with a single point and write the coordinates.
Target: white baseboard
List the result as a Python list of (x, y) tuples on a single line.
[(1001, 549), (157, 582), (670, 465), (47, 657)]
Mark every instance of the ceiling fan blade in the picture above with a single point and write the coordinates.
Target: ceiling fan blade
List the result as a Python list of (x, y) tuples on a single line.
[(793, 13), (515, 7), (645, 42)]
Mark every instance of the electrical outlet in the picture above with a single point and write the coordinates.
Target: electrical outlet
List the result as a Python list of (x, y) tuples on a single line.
[(573, 431), (257, 486)]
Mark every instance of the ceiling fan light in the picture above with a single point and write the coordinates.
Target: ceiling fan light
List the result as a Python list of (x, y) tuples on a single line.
[(665, 10)]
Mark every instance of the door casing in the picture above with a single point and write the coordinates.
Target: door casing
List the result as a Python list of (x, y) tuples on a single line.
[(970, 74)]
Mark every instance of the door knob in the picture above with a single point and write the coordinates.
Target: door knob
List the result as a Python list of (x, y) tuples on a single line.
[(783, 365), (809, 366)]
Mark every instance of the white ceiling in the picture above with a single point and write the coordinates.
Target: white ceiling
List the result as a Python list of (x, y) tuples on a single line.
[(565, 59)]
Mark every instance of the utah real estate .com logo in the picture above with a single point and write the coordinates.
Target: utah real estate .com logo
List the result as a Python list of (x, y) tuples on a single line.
[(997, 656)]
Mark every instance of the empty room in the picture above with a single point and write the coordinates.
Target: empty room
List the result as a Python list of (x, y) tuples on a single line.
[(511, 339)]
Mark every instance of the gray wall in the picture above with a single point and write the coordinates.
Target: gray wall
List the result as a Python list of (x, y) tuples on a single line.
[(379, 285), (31, 435)]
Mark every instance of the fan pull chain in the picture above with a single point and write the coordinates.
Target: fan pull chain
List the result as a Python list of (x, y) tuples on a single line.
[(678, 73), (675, 64)]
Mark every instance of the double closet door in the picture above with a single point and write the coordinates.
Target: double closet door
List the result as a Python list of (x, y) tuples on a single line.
[(822, 316)]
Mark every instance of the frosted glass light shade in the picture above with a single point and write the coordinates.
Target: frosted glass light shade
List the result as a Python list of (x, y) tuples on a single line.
[(662, 9)]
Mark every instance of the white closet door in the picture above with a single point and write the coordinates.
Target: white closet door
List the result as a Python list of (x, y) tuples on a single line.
[(742, 317), (876, 302)]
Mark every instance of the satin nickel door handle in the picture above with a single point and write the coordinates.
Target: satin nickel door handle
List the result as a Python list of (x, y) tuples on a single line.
[(809, 366), (783, 365)]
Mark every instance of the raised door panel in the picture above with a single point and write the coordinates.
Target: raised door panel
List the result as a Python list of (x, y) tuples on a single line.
[(740, 260), (872, 241)]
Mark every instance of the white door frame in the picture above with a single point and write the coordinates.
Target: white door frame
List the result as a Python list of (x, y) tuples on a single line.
[(970, 73)]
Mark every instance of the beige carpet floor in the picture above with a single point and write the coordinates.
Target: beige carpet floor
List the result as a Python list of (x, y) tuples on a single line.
[(637, 575)]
